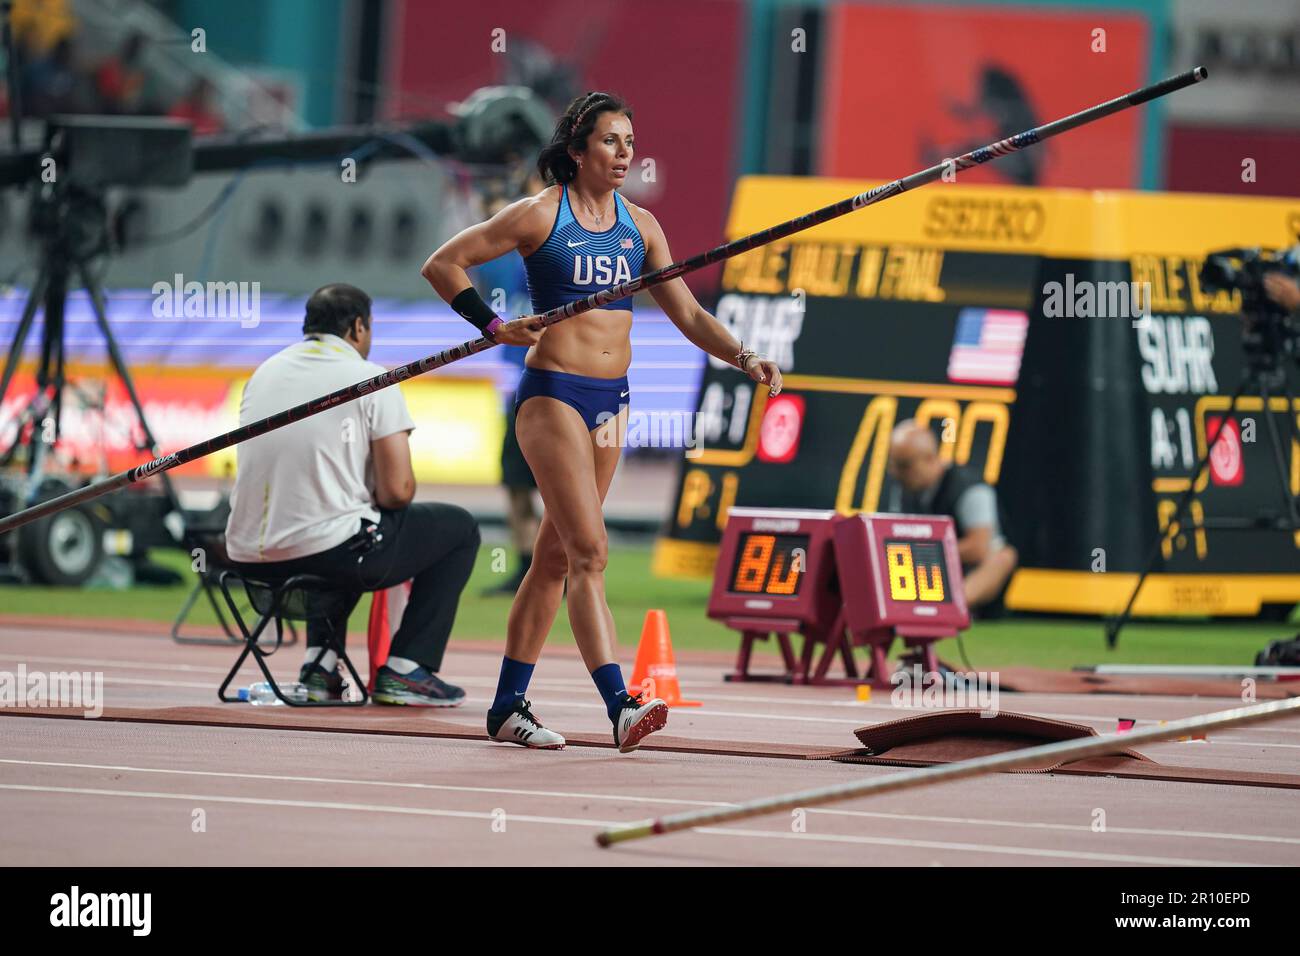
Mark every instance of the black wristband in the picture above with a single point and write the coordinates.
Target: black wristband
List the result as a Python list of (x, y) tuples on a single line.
[(469, 305)]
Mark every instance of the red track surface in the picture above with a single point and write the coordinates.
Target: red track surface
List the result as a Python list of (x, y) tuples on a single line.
[(109, 792)]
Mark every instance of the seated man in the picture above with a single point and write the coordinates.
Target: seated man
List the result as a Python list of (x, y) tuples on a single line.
[(331, 496), (931, 486)]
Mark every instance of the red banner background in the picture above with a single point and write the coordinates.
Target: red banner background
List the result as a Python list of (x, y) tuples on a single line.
[(676, 61), (904, 88)]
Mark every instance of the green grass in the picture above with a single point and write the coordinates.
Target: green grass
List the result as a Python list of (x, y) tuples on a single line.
[(632, 590)]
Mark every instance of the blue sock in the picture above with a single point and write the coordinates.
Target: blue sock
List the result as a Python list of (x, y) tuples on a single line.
[(511, 685), (609, 681)]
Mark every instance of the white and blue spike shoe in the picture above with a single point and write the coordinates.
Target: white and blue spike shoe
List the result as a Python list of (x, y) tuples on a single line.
[(521, 727), (635, 721)]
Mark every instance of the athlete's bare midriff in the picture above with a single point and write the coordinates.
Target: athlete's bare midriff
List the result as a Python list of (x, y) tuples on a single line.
[(598, 343)]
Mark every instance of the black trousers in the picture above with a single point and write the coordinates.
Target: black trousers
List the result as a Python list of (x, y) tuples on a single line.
[(432, 545)]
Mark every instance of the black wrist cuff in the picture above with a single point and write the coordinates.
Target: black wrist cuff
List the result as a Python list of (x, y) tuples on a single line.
[(469, 305)]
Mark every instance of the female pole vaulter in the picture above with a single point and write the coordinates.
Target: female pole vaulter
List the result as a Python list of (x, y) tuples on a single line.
[(578, 236)]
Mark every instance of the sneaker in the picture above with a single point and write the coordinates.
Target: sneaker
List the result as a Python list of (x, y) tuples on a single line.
[(420, 688), (322, 685), (519, 726), (636, 721)]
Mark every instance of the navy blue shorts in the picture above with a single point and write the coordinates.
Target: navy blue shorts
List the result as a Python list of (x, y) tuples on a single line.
[(590, 396)]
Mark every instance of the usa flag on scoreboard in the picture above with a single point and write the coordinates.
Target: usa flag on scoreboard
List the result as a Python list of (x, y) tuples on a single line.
[(987, 347)]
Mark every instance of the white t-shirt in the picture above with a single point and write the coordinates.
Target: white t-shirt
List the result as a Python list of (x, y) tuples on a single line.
[(304, 488)]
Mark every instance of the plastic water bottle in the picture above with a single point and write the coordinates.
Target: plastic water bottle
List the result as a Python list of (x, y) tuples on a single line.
[(261, 694)]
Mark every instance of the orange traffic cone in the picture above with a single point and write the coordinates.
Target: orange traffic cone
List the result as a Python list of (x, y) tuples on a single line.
[(655, 671)]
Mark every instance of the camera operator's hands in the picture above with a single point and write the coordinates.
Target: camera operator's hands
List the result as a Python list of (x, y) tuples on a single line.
[(1282, 290)]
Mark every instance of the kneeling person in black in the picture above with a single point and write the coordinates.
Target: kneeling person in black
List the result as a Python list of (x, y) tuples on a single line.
[(331, 496), (928, 485)]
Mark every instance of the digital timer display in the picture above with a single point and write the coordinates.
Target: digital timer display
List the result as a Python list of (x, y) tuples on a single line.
[(772, 564), (900, 574), (871, 578), (774, 578), (917, 571)]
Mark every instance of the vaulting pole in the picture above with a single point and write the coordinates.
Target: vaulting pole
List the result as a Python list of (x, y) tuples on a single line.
[(669, 272), (1054, 753)]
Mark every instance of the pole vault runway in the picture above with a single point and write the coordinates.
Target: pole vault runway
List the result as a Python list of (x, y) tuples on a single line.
[(388, 786)]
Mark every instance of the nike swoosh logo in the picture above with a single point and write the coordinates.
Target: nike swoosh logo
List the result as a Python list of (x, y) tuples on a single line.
[(572, 244), (622, 394)]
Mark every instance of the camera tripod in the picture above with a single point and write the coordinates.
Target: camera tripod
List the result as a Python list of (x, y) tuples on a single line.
[(1268, 347), (71, 224)]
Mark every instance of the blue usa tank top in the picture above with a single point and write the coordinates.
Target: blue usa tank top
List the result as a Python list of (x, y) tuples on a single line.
[(574, 263)]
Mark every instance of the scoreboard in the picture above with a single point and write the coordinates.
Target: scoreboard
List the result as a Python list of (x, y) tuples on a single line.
[(902, 572), (840, 582), (1060, 347), (901, 577), (775, 574)]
